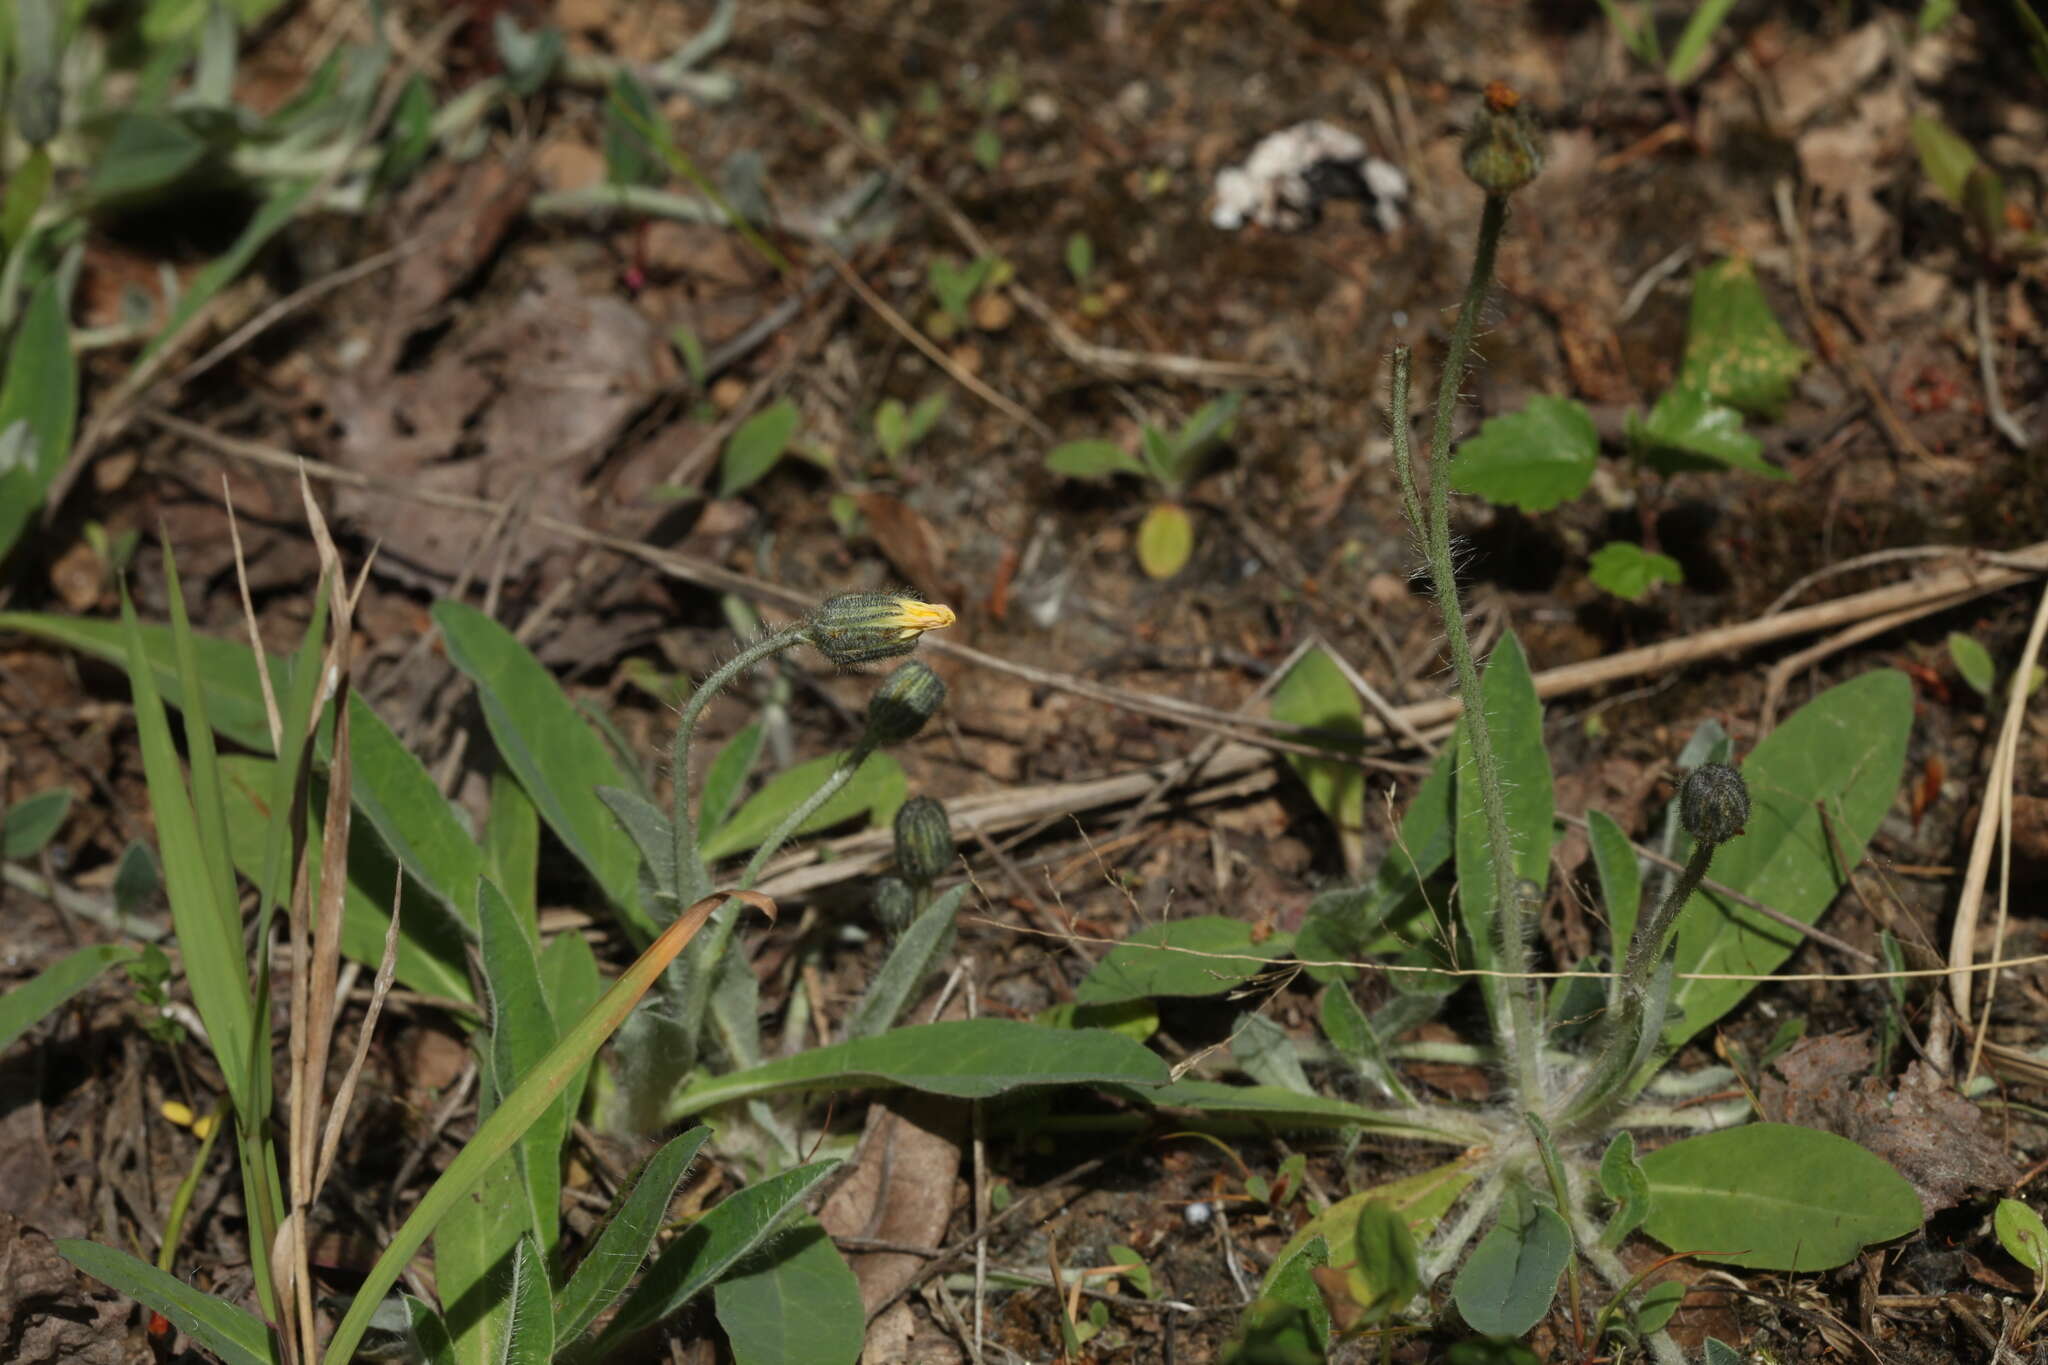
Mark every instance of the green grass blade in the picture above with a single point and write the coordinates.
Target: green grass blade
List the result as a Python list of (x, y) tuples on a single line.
[(1692, 43), (276, 211), (553, 752), (200, 755), (27, 1004), (209, 933), (497, 1134), (693, 1262), (238, 1338), (623, 1244)]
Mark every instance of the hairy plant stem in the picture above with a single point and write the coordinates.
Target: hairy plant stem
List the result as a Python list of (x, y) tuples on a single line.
[(1516, 1012), (695, 883), (1611, 1081)]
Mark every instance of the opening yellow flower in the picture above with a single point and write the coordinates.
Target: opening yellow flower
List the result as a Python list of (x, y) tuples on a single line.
[(860, 627)]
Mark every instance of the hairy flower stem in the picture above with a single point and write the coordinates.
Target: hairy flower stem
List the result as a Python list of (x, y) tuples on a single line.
[(689, 865), (1512, 1003)]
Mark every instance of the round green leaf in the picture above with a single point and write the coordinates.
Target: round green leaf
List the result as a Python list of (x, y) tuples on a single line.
[(1626, 569), (1772, 1196), (1508, 1282), (2021, 1232), (1165, 540), (1533, 459)]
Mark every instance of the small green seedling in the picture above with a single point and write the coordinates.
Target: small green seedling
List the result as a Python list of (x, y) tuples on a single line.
[(898, 429), (955, 286), (1974, 665), (1638, 32), (1172, 461), (2025, 1238), (1975, 190), (1737, 360)]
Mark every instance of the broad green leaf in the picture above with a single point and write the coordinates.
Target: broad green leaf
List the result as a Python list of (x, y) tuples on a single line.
[(875, 790), (794, 1300), (497, 1134), (1166, 538), (238, 1338), (282, 205), (1772, 1196), (1659, 1305), (1623, 1181), (2022, 1234), (1720, 1353), (1627, 570), (1533, 459), (32, 822), (1422, 1199), (967, 1058), (915, 956), (1080, 257), (145, 152), (25, 193), (1136, 1020), (1621, 879), (628, 159), (1316, 696), (1735, 351), (1388, 1260), (1844, 751), (727, 774), (27, 1004), (558, 759), (1274, 1331), (1353, 1035), (1264, 1051), (1092, 460), (1688, 430), (395, 793), (1342, 924), (1203, 433), (1507, 1284), (430, 955), (756, 446), (1973, 663), (429, 1332), (1167, 959), (1293, 1283), (1515, 718), (612, 1259), (570, 977), (705, 1251), (38, 408), (1946, 158)]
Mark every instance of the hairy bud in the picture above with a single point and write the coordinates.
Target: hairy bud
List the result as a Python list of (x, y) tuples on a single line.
[(1713, 803), (895, 904), (907, 698), (1500, 152), (924, 839), (861, 627)]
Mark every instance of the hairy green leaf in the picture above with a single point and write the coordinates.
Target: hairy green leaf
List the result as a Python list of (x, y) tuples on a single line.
[(795, 1299), (628, 1233), (1533, 459), (1508, 1282), (238, 1338), (1202, 955)]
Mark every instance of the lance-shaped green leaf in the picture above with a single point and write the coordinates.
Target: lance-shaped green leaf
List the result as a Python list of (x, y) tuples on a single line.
[(1200, 955), (628, 1233), (909, 964), (876, 789), (696, 1260), (238, 1338), (22, 1007), (1623, 1181), (38, 408), (965, 1058), (32, 822), (1315, 695)]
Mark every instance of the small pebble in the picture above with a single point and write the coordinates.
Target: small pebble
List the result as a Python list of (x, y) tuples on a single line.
[(1197, 1214)]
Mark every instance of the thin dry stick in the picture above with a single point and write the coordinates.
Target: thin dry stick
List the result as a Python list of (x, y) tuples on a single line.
[(1982, 575), (1783, 671), (345, 1093), (1987, 364), (1995, 815)]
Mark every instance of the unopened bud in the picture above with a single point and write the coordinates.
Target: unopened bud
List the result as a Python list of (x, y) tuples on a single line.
[(1713, 803), (1500, 152), (895, 904), (924, 839), (907, 698), (860, 627)]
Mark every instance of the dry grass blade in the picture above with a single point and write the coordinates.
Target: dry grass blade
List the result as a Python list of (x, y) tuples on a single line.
[(345, 1093)]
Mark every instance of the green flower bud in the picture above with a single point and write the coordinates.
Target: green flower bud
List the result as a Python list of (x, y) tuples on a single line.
[(1500, 152), (1713, 803), (907, 698), (895, 904), (924, 839), (860, 627)]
